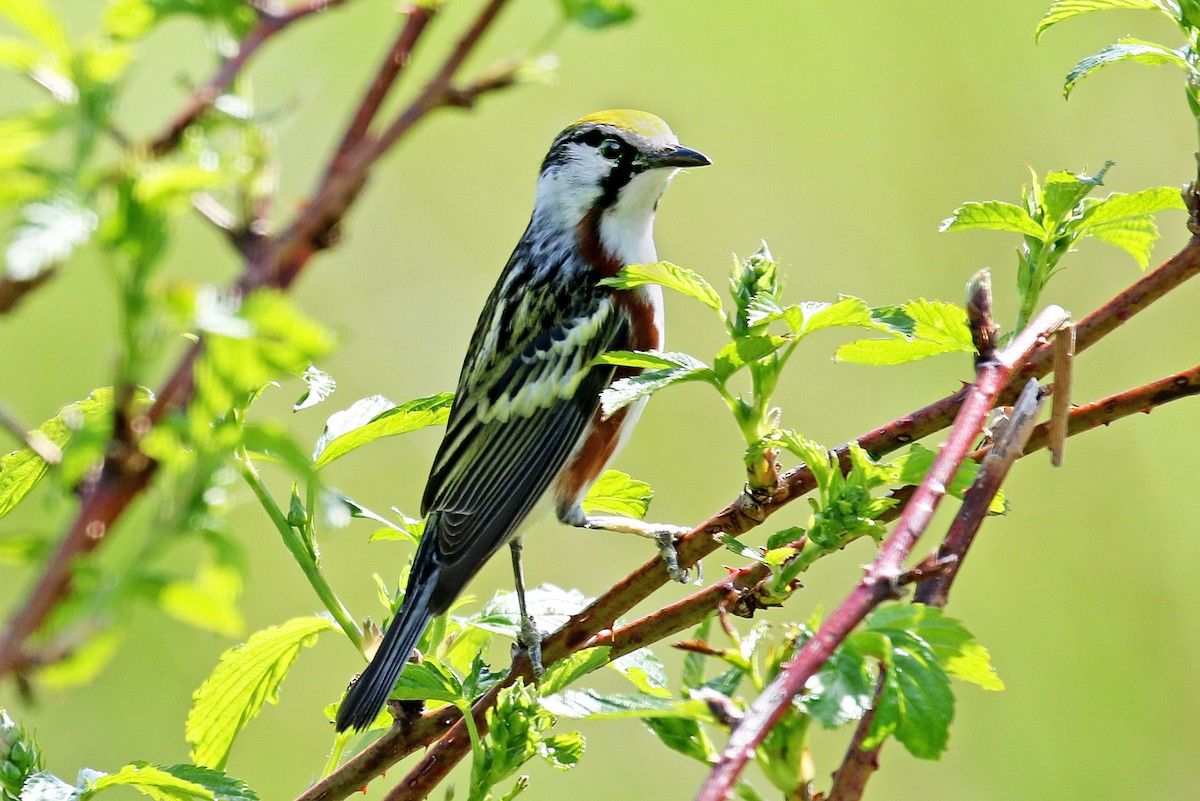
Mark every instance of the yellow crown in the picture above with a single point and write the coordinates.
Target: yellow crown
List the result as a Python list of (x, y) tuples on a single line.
[(642, 123)]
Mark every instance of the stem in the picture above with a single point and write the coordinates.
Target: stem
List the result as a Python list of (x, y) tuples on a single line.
[(295, 545), (881, 580)]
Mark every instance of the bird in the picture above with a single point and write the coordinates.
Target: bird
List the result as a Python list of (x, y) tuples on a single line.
[(526, 416)]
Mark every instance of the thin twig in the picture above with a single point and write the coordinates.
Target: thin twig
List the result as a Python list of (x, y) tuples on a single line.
[(270, 262), (738, 589), (940, 570), (879, 582), (202, 98)]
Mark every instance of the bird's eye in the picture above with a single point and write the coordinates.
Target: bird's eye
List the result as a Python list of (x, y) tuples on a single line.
[(611, 148)]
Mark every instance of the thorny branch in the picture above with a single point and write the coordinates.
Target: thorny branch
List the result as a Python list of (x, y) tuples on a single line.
[(592, 626), (880, 580), (270, 262)]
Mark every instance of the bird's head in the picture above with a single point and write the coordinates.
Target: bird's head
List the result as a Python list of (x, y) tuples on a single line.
[(613, 165)]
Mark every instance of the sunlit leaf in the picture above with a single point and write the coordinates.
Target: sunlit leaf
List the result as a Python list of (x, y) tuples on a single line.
[(374, 418), (669, 275), (246, 677), (1124, 50), (615, 493), (993, 215), (1065, 9)]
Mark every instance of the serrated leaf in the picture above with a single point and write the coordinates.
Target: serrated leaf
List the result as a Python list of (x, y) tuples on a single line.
[(956, 649), (645, 359), (52, 229), (374, 418), (683, 735), (847, 311), (616, 493), (669, 275), (916, 706), (320, 386), (993, 215), (151, 781), (645, 671), (1120, 206), (742, 351), (916, 463), (593, 705), (567, 670), (937, 328), (1124, 50), (841, 690), (246, 677), (1135, 237), (627, 390), (428, 680), (551, 606), (1063, 191), (1065, 9), (222, 786)]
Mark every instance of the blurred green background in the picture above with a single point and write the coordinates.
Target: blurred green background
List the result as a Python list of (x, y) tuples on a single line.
[(842, 133)]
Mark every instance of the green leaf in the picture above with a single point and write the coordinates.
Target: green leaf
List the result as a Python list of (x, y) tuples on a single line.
[(615, 493), (847, 311), (1135, 237), (562, 751), (36, 19), (669, 275), (567, 670), (151, 781), (645, 671), (744, 350), (551, 606), (592, 705), (53, 227), (274, 443), (429, 680), (1119, 207), (993, 215), (246, 677), (374, 418), (916, 705), (1124, 50), (954, 646), (627, 390), (84, 663), (21, 470), (596, 14), (1063, 191), (841, 690), (222, 786), (937, 328), (208, 602), (916, 463), (1065, 9), (644, 359)]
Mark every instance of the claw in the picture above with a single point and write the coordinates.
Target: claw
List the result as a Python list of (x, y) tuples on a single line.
[(666, 546), (531, 641)]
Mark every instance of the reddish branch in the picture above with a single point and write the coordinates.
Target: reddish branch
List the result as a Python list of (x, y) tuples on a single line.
[(942, 568), (270, 262), (880, 582)]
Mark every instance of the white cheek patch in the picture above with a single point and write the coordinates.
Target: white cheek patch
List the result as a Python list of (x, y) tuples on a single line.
[(569, 190)]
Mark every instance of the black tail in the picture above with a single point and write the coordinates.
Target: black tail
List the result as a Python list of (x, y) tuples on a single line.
[(371, 691)]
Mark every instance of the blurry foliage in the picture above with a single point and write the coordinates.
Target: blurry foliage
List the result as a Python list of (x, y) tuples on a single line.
[(65, 189)]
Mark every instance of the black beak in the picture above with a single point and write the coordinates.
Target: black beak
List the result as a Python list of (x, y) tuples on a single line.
[(679, 156)]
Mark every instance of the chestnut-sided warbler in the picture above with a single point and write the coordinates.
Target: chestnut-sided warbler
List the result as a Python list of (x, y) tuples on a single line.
[(526, 414)]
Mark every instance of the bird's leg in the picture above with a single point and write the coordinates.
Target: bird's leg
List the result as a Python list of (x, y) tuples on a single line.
[(531, 638), (663, 534)]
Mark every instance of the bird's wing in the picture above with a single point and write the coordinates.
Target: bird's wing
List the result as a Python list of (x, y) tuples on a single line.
[(522, 404)]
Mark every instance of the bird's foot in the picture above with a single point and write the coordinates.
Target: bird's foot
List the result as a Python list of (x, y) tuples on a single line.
[(665, 536), (530, 640)]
